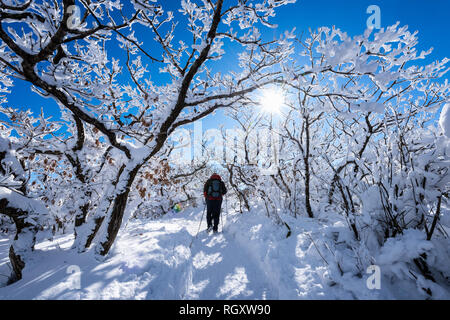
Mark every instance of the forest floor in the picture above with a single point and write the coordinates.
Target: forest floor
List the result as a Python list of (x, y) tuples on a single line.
[(250, 259)]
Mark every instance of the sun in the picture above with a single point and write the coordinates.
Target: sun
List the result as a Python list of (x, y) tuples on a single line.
[(271, 100)]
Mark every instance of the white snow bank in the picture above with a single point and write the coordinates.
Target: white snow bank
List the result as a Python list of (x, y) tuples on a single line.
[(23, 203)]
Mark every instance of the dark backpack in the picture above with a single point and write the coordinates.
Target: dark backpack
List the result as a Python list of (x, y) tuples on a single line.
[(215, 189)]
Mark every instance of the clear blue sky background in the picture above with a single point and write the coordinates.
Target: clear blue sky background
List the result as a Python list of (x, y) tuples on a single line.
[(430, 17)]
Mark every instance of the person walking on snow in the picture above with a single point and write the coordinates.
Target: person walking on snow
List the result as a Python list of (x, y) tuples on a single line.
[(213, 191)]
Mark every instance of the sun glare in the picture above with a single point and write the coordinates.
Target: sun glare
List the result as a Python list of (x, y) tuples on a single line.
[(271, 100)]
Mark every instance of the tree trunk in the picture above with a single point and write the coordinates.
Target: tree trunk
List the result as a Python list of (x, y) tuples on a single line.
[(307, 171), (24, 239), (80, 218), (98, 222), (116, 215)]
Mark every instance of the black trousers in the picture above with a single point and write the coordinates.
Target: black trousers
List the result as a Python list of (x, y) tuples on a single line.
[(213, 213)]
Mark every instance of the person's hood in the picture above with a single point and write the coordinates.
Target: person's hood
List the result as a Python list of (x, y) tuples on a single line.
[(215, 177)]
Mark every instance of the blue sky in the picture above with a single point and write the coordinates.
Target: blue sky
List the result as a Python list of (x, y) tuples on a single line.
[(430, 18)]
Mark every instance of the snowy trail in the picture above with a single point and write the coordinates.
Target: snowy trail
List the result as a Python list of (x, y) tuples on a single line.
[(250, 259), (221, 268), (151, 260), (215, 267)]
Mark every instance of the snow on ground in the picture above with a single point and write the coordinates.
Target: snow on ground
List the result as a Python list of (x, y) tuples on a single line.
[(251, 259)]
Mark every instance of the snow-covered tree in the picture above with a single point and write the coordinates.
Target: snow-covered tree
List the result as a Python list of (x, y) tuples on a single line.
[(358, 136), (27, 213)]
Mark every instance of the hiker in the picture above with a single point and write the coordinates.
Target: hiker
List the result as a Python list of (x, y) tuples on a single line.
[(213, 191)]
